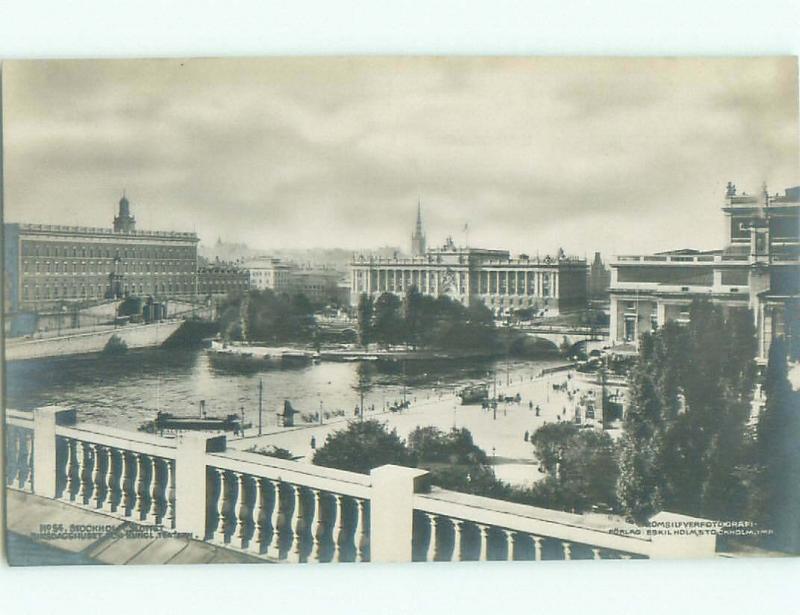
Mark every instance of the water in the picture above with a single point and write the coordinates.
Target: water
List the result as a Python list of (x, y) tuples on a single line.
[(126, 390)]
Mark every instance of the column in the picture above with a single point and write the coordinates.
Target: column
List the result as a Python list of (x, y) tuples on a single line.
[(458, 528), (537, 548), (82, 454), (142, 506), (316, 526), (596, 553), (296, 549), (111, 480), (509, 539), (242, 511), (276, 521), (432, 552), (22, 467), (567, 550), (361, 535), (156, 491), (222, 506), (338, 528), (12, 454), (484, 538), (170, 515), (191, 485), (126, 485), (98, 484), (46, 461), (391, 512), (259, 543), (525, 283)]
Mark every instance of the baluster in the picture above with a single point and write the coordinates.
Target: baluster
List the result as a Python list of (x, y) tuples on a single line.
[(12, 455), (596, 553), (276, 521), (509, 535), (112, 481), (170, 494), (259, 518), (537, 548), (433, 523), (316, 526), (484, 538), (22, 458), (338, 528), (70, 467), (567, 550), (242, 511), (296, 549), (82, 453), (361, 535), (97, 477), (222, 506), (156, 491), (126, 484), (29, 481), (141, 507), (458, 528)]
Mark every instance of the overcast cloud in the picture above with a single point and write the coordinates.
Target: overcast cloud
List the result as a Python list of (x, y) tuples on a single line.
[(617, 155)]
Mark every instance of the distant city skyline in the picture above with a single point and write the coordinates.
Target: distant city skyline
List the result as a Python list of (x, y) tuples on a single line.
[(614, 155)]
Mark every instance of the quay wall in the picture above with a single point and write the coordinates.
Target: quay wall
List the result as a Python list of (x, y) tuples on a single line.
[(134, 336)]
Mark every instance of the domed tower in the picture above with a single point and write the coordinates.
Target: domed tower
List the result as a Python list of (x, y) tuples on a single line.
[(124, 222), (418, 237)]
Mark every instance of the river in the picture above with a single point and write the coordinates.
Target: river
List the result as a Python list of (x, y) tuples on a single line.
[(126, 390)]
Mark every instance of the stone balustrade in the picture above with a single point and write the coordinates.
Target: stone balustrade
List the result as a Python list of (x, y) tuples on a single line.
[(288, 511), (450, 526), (19, 450)]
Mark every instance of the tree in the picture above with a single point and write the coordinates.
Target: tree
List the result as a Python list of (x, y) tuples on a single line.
[(366, 307), (683, 445), (581, 467), (412, 315), (777, 493), (388, 326), (361, 447)]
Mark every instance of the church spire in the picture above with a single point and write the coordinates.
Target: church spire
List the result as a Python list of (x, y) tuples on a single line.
[(418, 236)]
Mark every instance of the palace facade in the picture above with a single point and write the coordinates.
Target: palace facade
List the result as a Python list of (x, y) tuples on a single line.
[(759, 269), (48, 265), (547, 285)]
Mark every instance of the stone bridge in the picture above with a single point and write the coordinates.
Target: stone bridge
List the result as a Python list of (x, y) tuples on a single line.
[(288, 511), (585, 338)]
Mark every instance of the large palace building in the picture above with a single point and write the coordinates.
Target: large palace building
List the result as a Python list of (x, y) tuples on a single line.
[(48, 265), (550, 284), (759, 269)]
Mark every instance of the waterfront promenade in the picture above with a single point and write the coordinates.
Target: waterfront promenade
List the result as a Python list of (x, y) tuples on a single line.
[(500, 434)]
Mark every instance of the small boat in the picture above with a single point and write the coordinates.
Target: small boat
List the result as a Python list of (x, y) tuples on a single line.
[(166, 421)]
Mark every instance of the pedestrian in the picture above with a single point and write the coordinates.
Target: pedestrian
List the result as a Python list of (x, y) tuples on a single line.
[(313, 443), (527, 435)]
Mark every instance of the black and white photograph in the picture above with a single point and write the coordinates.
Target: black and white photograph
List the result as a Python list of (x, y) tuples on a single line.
[(400, 309)]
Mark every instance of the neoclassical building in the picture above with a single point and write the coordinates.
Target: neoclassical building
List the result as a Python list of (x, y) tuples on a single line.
[(46, 265), (502, 283), (759, 269)]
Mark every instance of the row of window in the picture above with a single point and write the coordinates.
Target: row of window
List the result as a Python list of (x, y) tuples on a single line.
[(170, 266), (30, 248), (38, 292)]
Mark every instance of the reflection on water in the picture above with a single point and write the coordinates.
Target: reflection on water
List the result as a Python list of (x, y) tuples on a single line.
[(126, 390)]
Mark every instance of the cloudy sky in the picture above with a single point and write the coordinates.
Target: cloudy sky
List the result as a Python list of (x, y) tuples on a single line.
[(617, 155)]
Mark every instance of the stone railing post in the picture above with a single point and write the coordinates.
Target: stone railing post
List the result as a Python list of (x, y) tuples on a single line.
[(190, 480), (391, 512), (45, 419)]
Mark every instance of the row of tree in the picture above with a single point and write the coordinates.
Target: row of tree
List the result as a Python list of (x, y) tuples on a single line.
[(420, 320), (264, 315), (688, 445)]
